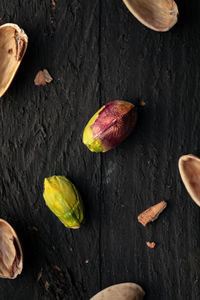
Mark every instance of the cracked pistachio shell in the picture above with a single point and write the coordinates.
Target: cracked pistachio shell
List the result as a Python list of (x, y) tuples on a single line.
[(11, 256), (112, 124), (13, 44), (159, 15), (189, 168), (64, 200), (122, 291)]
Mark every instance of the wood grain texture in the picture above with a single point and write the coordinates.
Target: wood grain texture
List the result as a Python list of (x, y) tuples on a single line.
[(96, 52)]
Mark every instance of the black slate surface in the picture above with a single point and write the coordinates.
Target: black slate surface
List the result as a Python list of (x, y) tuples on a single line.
[(97, 51)]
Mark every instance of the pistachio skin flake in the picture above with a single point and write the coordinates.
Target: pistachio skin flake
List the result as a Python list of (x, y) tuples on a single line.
[(64, 200), (110, 126)]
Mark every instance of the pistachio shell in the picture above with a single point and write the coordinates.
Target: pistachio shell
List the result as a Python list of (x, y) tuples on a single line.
[(64, 200), (110, 126), (13, 44), (189, 167), (159, 15), (122, 291), (11, 256)]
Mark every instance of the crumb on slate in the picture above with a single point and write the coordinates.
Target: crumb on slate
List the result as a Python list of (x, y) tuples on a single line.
[(142, 103), (46, 285), (59, 272), (35, 228), (39, 275), (151, 244), (53, 3), (55, 267)]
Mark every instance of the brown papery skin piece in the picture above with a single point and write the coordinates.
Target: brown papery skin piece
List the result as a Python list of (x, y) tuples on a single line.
[(152, 213), (42, 78)]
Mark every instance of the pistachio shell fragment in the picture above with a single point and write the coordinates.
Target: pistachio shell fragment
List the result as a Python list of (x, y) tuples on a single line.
[(110, 126), (122, 291), (189, 167), (13, 44), (64, 200), (159, 15), (11, 256)]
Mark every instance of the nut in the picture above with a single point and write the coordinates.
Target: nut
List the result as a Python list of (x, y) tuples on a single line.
[(189, 167), (13, 44), (159, 15), (152, 213), (11, 256), (110, 126), (122, 291), (63, 199)]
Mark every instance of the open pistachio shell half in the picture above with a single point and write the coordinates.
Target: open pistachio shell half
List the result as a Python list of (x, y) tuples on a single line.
[(122, 291), (11, 256), (13, 44), (189, 167), (159, 15)]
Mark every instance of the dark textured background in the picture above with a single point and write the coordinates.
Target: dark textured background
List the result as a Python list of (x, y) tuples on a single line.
[(97, 51)]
